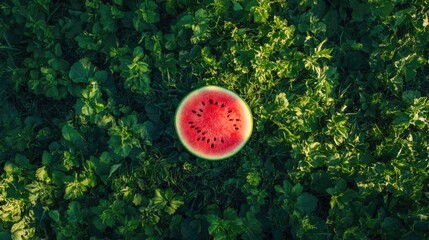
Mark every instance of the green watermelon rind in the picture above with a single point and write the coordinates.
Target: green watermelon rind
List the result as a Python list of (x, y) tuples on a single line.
[(207, 156)]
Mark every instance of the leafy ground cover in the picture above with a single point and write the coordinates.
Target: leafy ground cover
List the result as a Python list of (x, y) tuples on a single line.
[(338, 90)]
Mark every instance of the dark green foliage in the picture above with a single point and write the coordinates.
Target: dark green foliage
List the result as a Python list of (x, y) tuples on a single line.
[(338, 89)]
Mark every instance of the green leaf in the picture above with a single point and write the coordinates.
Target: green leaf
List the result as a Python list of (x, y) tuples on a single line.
[(75, 213), (171, 41), (148, 11), (190, 228), (237, 6), (279, 189), (382, 8), (253, 229), (402, 119), (106, 18), (74, 190), (391, 223), (101, 76), (46, 158), (409, 96), (186, 20), (57, 50), (81, 71), (59, 178), (5, 235), (71, 134), (153, 112), (22, 160), (341, 185), (297, 189), (42, 174), (153, 130), (229, 214), (52, 92), (307, 202), (87, 110), (322, 52), (358, 8), (114, 168), (55, 215)]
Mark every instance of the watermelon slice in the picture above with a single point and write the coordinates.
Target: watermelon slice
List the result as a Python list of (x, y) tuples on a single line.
[(213, 123)]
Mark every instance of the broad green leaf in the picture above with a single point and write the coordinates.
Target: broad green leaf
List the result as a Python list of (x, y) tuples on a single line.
[(341, 185), (409, 96), (22, 160), (71, 134), (171, 41), (101, 76), (114, 168), (186, 20), (148, 11), (87, 110), (402, 119), (382, 8), (81, 71), (74, 212), (52, 92), (253, 227), (5, 235), (57, 50), (154, 130), (75, 189), (297, 189), (46, 158), (229, 214), (190, 228), (42, 174), (99, 224), (106, 18), (153, 112), (55, 215), (237, 6), (391, 223), (279, 189), (307, 202)]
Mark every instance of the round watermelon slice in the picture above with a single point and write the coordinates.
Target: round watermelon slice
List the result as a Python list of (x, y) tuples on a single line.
[(213, 123)]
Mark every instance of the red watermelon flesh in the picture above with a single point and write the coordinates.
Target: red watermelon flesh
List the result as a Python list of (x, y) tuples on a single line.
[(213, 123)]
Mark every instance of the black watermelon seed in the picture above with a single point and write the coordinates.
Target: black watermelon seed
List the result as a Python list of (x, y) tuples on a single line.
[(208, 140), (201, 110), (190, 122), (204, 133), (230, 111), (199, 115), (214, 139), (198, 139), (235, 125), (228, 115), (223, 105), (212, 145), (192, 126), (236, 128), (198, 131), (231, 119), (204, 138), (216, 103), (194, 111), (221, 140), (237, 119), (211, 101), (203, 103)]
